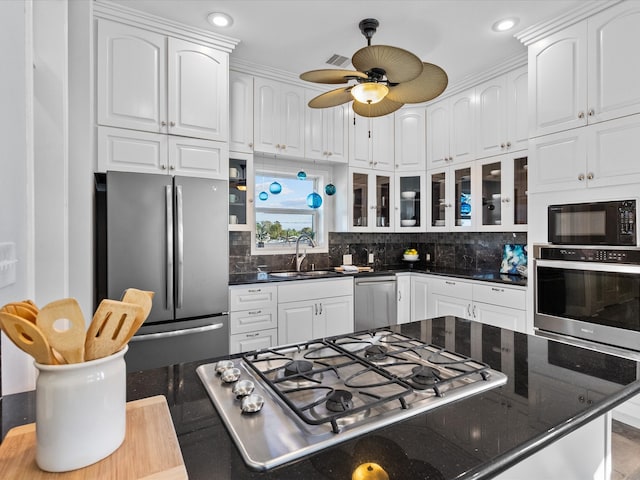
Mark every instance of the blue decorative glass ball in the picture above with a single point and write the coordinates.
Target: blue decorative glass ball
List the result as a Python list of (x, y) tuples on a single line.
[(330, 189), (275, 188), (302, 175), (314, 200), (263, 195)]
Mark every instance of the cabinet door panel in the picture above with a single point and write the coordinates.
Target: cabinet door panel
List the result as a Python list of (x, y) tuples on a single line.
[(462, 140), (558, 81), (197, 91), (502, 317), (419, 298), (335, 317), (441, 306), (614, 147), (410, 140), (295, 322), (517, 109), (266, 110), (131, 77), (336, 128), (557, 161), (491, 115), (240, 112), (614, 66), (131, 151), (198, 158), (292, 120), (247, 342), (438, 128)]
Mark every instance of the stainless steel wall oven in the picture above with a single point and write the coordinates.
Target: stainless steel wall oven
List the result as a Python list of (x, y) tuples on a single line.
[(588, 293)]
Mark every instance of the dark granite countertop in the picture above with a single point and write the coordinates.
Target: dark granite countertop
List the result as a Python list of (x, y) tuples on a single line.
[(483, 275), (472, 438)]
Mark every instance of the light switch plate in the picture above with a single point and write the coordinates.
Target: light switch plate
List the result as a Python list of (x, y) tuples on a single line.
[(371, 258), (347, 259)]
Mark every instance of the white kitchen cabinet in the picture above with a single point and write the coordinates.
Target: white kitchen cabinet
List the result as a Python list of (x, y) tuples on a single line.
[(371, 142), (453, 200), (503, 187), (491, 304), (603, 154), (419, 297), (410, 140), (326, 132), (370, 203), (403, 297), (310, 309), (240, 112), (278, 115), (587, 72), (241, 191), (410, 202), (134, 151), (501, 114), (153, 83), (253, 317), (451, 130)]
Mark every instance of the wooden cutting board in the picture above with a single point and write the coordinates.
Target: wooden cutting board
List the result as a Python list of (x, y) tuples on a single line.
[(360, 269), (150, 450)]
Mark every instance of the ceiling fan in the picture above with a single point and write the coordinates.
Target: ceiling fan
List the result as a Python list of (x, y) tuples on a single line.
[(386, 78)]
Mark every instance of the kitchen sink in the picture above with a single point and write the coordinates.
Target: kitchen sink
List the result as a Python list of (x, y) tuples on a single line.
[(309, 273)]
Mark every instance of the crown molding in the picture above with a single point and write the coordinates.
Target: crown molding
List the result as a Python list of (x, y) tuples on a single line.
[(136, 18), (541, 30)]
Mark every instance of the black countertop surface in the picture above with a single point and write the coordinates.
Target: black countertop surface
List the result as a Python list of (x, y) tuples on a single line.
[(552, 389), (484, 275)]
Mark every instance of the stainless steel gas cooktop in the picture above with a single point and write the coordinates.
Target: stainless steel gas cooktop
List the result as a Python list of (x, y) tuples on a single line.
[(324, 392)]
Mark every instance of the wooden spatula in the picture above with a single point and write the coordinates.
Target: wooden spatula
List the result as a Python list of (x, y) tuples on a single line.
[(66, 338), (21, 309), (110, 328), (27, 337), (142, 298)]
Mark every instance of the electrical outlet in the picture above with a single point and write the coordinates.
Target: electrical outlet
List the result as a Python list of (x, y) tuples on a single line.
[(427, 257), (347, 259), (371, 258)]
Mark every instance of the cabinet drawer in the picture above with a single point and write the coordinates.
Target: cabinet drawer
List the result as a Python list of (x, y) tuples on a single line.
[(451, 287), (499, 295), (253, 319), (311, 289), (246, 342), (252, 296)]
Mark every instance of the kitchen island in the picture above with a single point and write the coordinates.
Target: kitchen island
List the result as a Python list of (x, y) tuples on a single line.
[(556, 395)]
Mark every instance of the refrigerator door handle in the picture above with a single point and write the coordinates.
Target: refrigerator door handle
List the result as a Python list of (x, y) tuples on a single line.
[(176, 333), (180, 247), (168, 197)]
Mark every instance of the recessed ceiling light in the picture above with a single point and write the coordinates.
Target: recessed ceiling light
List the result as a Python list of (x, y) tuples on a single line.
[(504, 24), (219, 19)]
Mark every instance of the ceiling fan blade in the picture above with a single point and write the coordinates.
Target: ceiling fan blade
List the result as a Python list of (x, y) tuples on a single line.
[(331, 76), (432, 82), (398, 64), (331, 98), (383, 107)]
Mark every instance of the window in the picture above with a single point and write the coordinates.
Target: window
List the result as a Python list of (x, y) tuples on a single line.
[(280, 218)]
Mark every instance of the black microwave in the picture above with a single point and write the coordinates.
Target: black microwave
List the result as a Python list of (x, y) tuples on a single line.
[(594, 223)]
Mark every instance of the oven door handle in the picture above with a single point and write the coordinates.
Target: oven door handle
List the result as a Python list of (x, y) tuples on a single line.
[(590, 266)]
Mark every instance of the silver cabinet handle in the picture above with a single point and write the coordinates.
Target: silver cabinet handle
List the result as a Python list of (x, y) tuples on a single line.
[(254, 290), (590, 176), (502, 145), (315, 309), (448, 282), (256, 312), (592, 112), (172, 124), (468, 310), (176, 333), (474, 311), (581, 177), (508, 144), (180, 247), (497, 289), (163, 123), (168, 295), (580, 114), (320, 309)]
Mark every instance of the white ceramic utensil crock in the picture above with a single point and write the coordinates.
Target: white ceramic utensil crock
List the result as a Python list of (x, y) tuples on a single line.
[(80, 412)]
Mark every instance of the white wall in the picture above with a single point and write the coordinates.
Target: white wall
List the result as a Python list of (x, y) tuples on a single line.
[(16, 167)]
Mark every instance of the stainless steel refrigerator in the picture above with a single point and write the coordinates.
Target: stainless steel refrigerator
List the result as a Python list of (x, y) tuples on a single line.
[(168, 235)]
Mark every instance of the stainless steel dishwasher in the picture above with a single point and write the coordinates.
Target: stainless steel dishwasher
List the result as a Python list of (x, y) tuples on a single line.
[(375, 302)]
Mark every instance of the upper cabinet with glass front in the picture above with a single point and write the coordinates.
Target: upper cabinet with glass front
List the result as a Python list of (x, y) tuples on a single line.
[(240, 191), (503, 187), (453, 201), (371, 201), (410, 203)]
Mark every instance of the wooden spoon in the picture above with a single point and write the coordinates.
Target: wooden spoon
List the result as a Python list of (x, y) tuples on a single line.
[(27, 337), (21, 309), (110, 327), (67, 339), (142, 298)]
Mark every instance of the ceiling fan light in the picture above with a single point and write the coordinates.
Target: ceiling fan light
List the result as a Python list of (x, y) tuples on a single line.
[(369, 92)]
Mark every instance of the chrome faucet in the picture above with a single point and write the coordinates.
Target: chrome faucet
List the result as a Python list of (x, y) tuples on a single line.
[(300, 258)]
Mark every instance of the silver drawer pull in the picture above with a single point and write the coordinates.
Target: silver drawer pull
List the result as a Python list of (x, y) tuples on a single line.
[(449, 283), (257, 312), (249, 335), (254, 290), (497, 289)]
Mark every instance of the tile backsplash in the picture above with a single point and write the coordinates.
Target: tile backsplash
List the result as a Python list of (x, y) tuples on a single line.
[(461, 250)]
